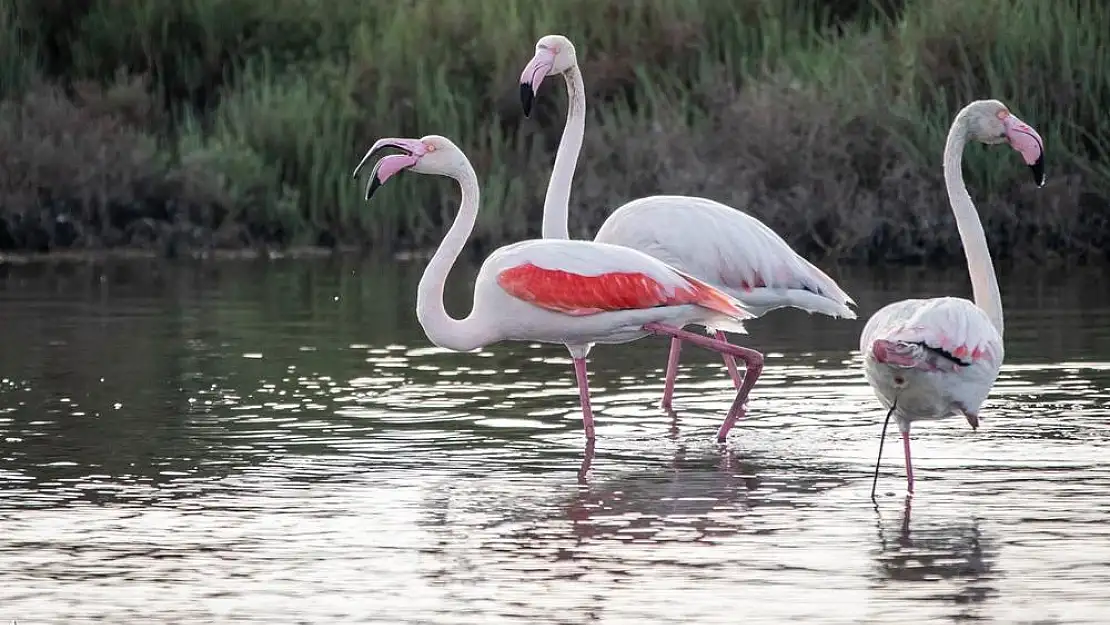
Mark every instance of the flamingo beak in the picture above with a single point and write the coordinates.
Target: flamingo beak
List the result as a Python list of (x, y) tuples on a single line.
[(390, 165), (533, 74), (1028, 143)]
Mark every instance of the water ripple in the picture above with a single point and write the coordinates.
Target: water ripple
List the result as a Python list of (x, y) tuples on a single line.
[(255, 451)]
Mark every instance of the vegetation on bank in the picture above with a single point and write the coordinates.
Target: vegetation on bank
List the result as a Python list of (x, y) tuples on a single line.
[(236, 123)]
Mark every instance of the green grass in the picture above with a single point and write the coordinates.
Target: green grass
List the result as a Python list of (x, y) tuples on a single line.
[(825, 119)]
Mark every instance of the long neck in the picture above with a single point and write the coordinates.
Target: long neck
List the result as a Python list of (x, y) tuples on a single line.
[(556, 202), (984, 284), (443, 330)]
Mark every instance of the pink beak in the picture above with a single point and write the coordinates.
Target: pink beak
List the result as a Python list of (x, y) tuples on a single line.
[(1028, 143), (390, 165), (533, 74)]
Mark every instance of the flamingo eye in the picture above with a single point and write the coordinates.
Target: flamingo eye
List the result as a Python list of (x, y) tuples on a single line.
[(429, 147), (1003, 114)]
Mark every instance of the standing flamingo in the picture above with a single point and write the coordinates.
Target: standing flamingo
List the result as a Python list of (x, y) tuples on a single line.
[(933, 358), (718, 244), (557, 291)]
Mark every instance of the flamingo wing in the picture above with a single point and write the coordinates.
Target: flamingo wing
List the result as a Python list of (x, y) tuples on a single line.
[(585, 278), (725, 247), (951, 331)]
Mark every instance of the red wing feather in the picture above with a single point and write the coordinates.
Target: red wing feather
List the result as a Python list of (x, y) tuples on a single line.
[(576, 294)]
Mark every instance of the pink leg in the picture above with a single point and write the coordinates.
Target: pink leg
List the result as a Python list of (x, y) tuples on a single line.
[(753, 363), (584, 397), (587, 461), (909, 464), (672, 371), (730, 363)]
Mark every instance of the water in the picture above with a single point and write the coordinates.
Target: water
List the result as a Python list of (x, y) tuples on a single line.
[(278, 443)]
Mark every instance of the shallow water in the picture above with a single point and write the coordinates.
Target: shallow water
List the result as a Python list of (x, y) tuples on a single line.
[(279, 443)]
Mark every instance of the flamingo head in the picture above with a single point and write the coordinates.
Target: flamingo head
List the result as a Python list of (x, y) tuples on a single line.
[(991, 122), (430, 154), (554, 55)]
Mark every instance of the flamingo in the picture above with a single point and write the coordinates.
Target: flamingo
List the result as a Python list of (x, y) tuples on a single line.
[(556, 291), (716, 243), (928, 359)]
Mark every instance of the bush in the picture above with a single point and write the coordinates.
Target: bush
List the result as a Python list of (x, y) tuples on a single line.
[(80, 172), (238, 123), (72, 177)]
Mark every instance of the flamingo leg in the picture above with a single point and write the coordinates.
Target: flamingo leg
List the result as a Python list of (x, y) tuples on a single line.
[(672, 371), (587, 461), (730, 363), (882, 439), (753, 363), (909, 464), (584, 397)]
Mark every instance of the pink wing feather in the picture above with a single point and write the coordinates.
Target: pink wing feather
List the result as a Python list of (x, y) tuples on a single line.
[(585, 278), (576, 294)]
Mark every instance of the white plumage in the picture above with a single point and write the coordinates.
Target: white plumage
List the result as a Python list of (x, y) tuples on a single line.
[(715, 243), (516, 319), (933, 334), (728, 249), (933, 358), (555, 291)]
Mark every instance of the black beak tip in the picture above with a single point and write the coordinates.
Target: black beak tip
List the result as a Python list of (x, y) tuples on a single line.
[(1038, 171), (372, 186), (527, 98)]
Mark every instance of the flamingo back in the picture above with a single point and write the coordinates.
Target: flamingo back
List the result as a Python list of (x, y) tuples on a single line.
[(934, 357), (728, 249), (953, 326)]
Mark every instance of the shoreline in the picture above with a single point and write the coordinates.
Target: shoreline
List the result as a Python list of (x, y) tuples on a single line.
[(421, 255)]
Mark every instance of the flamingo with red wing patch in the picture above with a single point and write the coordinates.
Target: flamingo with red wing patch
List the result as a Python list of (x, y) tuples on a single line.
[(559, 291)]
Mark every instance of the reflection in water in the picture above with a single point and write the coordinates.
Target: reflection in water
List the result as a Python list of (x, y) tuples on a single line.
[(677, 503), (682, 518), (940, 550), (278, 442), (696, 497)]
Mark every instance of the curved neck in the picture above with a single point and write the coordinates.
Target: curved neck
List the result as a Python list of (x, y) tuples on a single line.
[(984, 284), (456, 334), (557, 201)]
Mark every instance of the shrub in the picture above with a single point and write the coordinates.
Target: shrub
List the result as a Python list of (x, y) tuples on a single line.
[(73, 178), (239, 121)]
